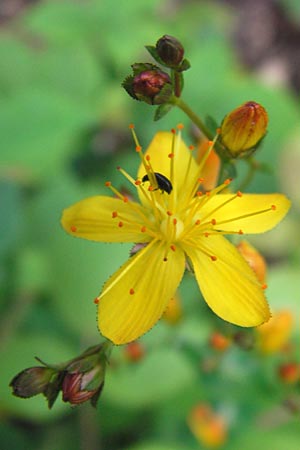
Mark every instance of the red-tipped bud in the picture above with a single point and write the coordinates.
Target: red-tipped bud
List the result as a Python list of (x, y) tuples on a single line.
[(149, 86), (79, 387), (170, 51), (243, 128)]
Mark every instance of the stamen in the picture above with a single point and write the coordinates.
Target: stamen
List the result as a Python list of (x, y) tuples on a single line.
[(180, 126), (120, 224), (273, 207), (213, 221), (126, 175), (213, 258), (143, 229), (264, 286), (172, 247), (73, 229), (114, 214), (96, 300), (131, 291)]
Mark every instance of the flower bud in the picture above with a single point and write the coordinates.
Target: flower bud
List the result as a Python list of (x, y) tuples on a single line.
[(134, 351), (32, 381), (170, 51), (289, 372), (273, 335), (255, 260), (79, 387), (152, 86), (219, 342), (243, 128)]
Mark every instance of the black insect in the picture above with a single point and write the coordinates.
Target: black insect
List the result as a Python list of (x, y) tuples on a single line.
[(164, 184)]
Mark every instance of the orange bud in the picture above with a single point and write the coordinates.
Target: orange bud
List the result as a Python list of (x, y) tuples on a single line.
[(274, 334), (134, 351), (207, 426), (255, 260), (289, 372), (243, 128), (219, 342)]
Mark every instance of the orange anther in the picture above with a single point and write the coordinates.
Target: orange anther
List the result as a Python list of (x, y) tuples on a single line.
[(191, 147), (172, 247), (143, 229), (131, 126), (180, 126), (199, 193), (114, 214), (210, 143), (213, 221), (96, 301), (120, 224), (200, 180), (131, 291), (207, 193), (107, 183), (264, 286), (206, 234), (240, 232), (273, 207), (137, 182), (198, 221), (73, 229), (239, 194), (228, 181), (173, 130), (213, 258), (151, 188), (148, 158), (169, 213), (175, 221), (218, 130), (138, 148), (125, 199), (171, 155)]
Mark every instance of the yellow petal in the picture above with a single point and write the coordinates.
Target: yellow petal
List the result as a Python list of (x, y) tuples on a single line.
[(135, 297), (92, 219), (228, 284), (230, 216), (159, 150)]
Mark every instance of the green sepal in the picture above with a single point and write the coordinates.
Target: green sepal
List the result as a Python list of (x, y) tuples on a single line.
[(153, 52), (53, 388), (162, 110), (137, 68), (211, 124), (127, 84), (185, 65), (164, 95)]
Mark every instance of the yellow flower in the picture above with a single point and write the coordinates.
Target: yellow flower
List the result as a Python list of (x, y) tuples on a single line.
[(274, 335), (175, 222)]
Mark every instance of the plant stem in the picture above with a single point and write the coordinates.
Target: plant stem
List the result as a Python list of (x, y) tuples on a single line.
[(193, 116), (177, 88)]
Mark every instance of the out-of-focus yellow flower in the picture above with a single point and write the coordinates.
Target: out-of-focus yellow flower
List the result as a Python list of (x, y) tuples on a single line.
[(255, 259), (243, 128), (174, 220), (275, 334), (173, 313), (207, 426)]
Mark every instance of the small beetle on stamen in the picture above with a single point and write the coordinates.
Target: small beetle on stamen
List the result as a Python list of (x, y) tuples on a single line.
[(164, 184)]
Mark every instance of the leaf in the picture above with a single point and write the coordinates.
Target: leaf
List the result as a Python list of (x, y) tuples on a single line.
[(161, 375)]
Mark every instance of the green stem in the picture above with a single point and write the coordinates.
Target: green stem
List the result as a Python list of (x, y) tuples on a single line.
[(251, 171), (193, 116), (176, 78)]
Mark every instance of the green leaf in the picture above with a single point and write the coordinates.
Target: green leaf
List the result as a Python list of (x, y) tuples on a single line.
[(161, 375)]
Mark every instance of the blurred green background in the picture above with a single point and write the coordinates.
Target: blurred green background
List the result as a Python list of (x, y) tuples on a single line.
[(63, 130)]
